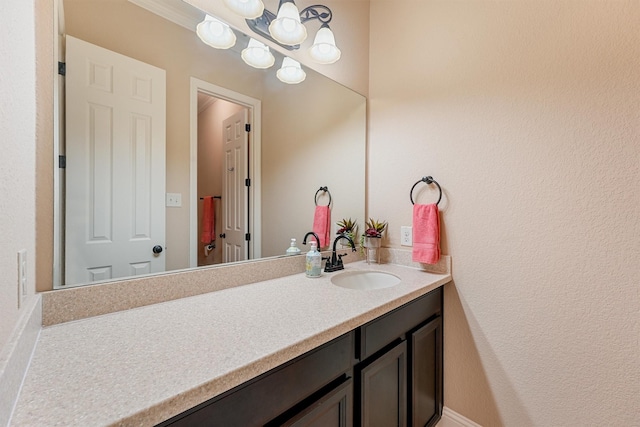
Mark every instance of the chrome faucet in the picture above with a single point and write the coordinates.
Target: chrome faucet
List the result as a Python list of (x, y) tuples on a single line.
[(335, 262)]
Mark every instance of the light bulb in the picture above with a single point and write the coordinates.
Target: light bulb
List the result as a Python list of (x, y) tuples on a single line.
[(249, 9), (216, 33), (291, 72), (287, 28), (257, 55), (324, 49)]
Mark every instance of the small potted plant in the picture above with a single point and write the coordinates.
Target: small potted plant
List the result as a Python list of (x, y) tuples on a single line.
[(372, 236), (349, 228)]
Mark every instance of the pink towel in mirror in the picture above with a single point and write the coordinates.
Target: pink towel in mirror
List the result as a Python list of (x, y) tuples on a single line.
[(208, 220), (322, 225)]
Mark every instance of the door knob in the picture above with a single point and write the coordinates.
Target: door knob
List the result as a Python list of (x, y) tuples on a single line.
[(157, 249), (223, 235)]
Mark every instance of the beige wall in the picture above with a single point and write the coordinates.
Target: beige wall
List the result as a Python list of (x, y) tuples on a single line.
[(528, 115), (17, 163), (44, 136)]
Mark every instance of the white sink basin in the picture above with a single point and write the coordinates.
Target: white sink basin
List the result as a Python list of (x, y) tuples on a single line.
[(365, 280)]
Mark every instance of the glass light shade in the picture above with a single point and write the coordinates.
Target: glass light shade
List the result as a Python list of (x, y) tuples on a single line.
[(291, 72), (216, 33), (287, 28), (324, 49), (257, 55), (248, 9)]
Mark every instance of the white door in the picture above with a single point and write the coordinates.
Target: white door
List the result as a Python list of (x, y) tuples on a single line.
[(115, 172), (235, 140)]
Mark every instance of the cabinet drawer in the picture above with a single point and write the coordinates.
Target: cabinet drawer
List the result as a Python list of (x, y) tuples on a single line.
[(380, 332), (258, 401)]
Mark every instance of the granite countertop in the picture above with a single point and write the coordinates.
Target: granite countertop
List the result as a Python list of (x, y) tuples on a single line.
[(145, 365)]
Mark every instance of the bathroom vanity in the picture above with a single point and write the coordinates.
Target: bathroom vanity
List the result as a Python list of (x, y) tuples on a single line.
[(284, 351), (365, 377)]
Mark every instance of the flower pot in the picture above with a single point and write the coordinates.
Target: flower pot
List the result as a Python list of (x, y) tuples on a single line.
[(372, 249), (372, 242)]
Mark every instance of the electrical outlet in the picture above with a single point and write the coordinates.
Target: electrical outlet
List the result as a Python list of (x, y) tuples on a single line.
[(406, 235), (22, 276)]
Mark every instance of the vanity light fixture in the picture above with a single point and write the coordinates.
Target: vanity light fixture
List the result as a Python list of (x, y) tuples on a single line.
[(291, 72), (286, 27), (216, 33), (257, 55)]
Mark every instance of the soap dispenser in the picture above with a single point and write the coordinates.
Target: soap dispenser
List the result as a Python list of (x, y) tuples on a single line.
[(314, 262), (293, 248)]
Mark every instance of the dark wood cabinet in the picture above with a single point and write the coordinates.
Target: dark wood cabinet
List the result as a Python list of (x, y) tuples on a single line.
[(383, 389), (400, 374), (279, 393), (425, 374), (334, 409), (385, 373)]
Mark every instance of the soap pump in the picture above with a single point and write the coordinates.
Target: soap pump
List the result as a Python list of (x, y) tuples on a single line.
[(293, 248), (313, 262)]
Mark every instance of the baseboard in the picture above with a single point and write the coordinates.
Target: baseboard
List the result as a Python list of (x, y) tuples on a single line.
[(16, 355), (454, 418)]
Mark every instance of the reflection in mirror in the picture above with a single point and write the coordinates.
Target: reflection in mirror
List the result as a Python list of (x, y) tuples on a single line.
[(303, 137)]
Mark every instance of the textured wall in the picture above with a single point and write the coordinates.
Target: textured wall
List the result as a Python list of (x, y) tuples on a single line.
[(528, 114), (17, 162)]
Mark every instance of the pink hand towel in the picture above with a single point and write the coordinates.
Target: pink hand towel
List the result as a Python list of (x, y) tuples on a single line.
[(208, 220), (322, 224), (426, 234)]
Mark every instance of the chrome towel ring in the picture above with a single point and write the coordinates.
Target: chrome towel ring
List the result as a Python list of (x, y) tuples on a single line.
[(426, 180), (325, 190)]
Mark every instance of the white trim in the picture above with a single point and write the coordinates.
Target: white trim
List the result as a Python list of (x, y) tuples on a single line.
[(255, 113), (58, 115), (452, 417), (177, 12), (16, 354)]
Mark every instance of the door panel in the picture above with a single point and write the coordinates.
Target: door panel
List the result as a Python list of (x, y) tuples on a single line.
[(234, 196), (115, 174)]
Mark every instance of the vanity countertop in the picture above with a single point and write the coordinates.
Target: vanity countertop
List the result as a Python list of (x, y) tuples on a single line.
[(145, 365)]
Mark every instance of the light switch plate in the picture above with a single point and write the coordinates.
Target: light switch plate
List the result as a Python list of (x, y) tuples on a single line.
[(174, 200), (406, 235)]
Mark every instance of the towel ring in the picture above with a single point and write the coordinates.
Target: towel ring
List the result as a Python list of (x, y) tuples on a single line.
[(426, 180), (323, 189)]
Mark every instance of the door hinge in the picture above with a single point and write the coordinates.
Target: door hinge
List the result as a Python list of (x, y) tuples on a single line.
[(247, 127), (62, 68), (62, 162), (247, 182), (247, 237)]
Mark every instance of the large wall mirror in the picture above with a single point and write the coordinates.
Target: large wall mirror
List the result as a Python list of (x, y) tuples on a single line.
[(303, 137)]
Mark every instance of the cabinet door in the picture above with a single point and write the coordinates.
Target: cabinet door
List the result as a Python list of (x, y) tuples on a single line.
[(383, 389), (332, 410), (425, 374)]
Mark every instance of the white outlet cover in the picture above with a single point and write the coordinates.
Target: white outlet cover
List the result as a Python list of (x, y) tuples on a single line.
[(406, 235)]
